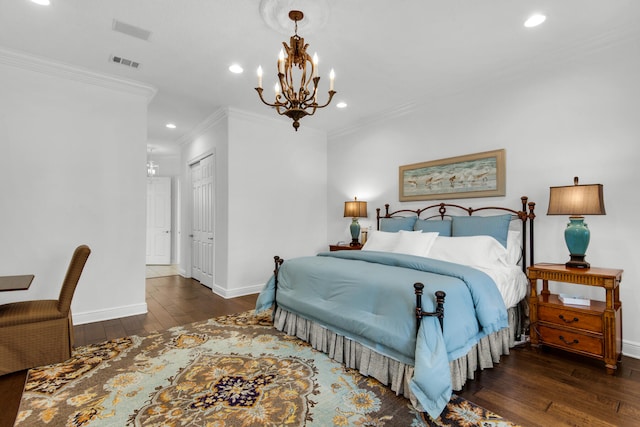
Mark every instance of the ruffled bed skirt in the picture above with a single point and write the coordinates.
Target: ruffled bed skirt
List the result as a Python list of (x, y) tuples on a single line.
[(388, 371)]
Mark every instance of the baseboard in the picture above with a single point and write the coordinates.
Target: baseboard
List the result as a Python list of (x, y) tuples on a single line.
[(631, 349), (108, 314), (238, 292)]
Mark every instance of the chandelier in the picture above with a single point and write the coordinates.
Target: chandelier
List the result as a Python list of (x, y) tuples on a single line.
[(290, 101), (152, 167)]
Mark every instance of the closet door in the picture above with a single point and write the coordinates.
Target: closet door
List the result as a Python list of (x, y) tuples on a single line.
[(202, 253)]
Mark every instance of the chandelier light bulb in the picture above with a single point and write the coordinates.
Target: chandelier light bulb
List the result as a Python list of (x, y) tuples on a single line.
[(276, 88), (259, 76), (281, 62), (315, 65), (332, 77)]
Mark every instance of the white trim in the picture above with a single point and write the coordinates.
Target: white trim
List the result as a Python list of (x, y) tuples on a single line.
[(70, 72), (237, 292), (206, 124), (271, 119), (383, 116), (108, 314), (631, 349), (199, 157)]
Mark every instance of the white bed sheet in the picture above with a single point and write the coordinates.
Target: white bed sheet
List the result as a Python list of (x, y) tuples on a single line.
[(483, 253), (511, 282)]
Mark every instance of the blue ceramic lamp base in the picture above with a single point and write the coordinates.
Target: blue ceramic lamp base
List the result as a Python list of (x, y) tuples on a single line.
[(355, 232), (577, 236)]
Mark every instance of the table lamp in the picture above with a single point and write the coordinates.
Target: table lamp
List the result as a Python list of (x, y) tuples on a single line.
[(355, 209), (576, 200)]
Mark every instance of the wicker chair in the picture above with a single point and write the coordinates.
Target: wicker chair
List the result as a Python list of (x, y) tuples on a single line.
[(36, 333)]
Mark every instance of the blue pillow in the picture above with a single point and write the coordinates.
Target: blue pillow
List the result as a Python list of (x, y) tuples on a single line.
[(434, 225), (494, 226), (396, 224)]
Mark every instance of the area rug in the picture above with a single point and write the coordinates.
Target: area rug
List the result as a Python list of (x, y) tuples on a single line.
[(230, 371)]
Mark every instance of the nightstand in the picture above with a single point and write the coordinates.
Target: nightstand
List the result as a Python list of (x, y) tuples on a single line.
[(344, 248), (593, 330)]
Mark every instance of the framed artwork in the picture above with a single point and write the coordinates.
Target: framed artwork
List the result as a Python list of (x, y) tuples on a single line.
[(473, 175)]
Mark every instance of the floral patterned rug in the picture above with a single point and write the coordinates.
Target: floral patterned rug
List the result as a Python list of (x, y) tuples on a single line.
[(229, 371)]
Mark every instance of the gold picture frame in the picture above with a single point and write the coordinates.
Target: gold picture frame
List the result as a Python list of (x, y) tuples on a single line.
[(474, 175)]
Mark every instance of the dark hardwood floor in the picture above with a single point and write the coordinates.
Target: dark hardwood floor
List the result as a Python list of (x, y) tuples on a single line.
[(529, 387)]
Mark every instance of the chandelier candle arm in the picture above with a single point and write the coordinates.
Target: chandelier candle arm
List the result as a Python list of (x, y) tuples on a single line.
[(290, 101)]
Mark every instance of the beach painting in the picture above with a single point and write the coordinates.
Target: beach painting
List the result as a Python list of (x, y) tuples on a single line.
[(473, 175)]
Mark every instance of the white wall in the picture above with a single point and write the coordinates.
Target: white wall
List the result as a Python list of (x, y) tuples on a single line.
[(580, 119), (72, 172), (210, 138), (277, 196), (270, 195)]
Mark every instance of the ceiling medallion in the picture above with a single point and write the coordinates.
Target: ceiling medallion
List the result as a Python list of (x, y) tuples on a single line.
[(275, 14), (290, 101)]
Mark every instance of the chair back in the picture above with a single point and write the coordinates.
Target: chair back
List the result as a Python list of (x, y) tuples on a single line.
[(72, 277)]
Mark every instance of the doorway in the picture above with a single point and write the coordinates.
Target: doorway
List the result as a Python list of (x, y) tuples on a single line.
[(159, 221)]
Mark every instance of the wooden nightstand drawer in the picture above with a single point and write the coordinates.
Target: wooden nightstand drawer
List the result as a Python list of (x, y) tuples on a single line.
[(573, 318), (570, 340)]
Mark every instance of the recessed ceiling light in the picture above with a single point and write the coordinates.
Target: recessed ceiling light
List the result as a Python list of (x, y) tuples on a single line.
[(235, 69), (170, 125), (341, 104), (534, 20), (41, 2)]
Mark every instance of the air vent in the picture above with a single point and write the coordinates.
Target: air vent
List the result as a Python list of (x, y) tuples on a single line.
[(124, 61), (130, 30)]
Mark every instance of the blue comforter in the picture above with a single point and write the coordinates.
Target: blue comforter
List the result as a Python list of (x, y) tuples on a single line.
[(369, 297)]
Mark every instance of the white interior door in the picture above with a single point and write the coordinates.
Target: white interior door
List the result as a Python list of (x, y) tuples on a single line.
[(159, 220), (203, 243)]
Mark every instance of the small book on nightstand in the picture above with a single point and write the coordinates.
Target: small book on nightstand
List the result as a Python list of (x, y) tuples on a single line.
[(574, 299)]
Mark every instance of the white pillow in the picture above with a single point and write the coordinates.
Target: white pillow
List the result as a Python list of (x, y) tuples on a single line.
[(402, 242), (514, 247), (478, 251), (414, 243), (383, 241)]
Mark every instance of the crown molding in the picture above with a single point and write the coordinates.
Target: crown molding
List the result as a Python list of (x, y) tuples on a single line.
[(58, 69), (227, 112), (381, 117), (274, 120), (212, 120)]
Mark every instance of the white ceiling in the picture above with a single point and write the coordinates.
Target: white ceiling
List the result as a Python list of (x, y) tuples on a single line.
[(386, 54)]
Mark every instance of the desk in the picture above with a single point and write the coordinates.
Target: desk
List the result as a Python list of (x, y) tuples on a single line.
[(15, 283)]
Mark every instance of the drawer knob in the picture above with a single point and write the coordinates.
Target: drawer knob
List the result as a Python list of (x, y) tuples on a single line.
[(568, 342), (575, 319)]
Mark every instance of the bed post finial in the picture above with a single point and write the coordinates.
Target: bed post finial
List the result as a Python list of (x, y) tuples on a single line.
[(418, 287)]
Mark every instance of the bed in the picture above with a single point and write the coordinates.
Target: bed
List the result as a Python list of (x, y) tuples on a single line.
[(434, 295)]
